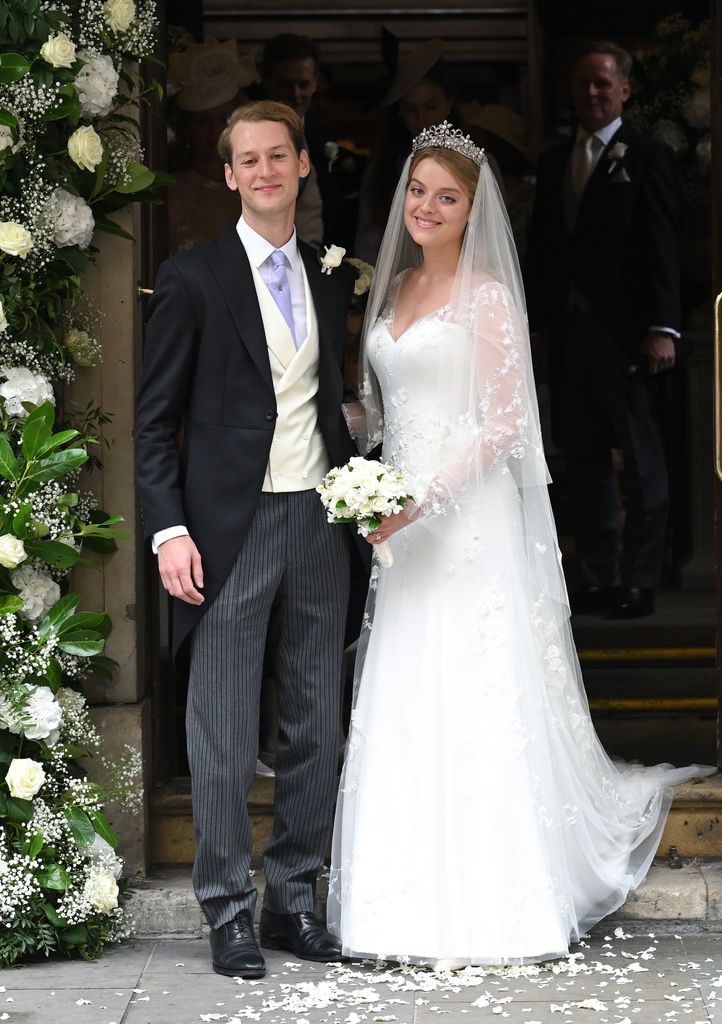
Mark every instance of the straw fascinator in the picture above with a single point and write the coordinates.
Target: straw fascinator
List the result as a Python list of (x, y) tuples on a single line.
[(209, 73), (505, 124)]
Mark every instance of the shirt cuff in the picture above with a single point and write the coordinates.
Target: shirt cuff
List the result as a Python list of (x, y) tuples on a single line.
[(665, 330), (168, 534)]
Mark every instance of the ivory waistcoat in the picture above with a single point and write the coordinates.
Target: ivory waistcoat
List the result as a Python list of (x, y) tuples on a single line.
[(298, 459)]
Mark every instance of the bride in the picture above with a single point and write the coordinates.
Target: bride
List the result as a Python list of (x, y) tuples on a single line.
[(479, 819)]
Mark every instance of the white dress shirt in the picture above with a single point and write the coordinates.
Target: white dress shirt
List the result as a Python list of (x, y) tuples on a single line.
[(258, 249)]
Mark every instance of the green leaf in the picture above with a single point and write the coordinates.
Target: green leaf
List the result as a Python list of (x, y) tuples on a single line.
[(19, 810), (74, 257), (32, 847), (103, 827), (60, 613), (8, 462), (141, 177), (100, 545), (75, 936), (68, 106), (10, 603), (111, 228), (53, 877), (60, 556), (80, 825), (8, 119), (20, 522), (83, 643), (37, 429), (73, 750), (103, 665), (96, 621), (52, 915), (57, 440), (57, 464), (12, 67)]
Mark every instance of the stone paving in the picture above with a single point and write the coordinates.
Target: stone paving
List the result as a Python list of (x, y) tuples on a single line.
[(624, 975)]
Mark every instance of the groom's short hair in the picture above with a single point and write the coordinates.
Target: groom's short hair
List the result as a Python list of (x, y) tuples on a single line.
[(262, 110)]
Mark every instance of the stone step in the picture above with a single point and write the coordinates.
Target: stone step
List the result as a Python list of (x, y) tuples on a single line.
[(694, 826), (671, 899)]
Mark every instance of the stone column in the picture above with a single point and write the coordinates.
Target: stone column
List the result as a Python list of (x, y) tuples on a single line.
[(121, 709)]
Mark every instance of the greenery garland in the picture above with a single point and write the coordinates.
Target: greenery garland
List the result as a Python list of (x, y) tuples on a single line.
[(69, 158)]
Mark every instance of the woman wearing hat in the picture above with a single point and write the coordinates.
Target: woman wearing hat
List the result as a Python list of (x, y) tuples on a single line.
[(421, 94)]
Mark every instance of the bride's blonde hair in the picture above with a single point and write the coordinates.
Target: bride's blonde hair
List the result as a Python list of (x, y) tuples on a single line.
[(464, 170)]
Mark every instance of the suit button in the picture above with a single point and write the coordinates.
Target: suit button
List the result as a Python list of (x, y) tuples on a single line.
[(270, 415)]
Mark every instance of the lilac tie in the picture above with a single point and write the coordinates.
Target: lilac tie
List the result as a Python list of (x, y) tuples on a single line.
[(280, 289)]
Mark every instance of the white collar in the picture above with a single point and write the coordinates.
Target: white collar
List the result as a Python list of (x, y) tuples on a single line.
[(259, 248), (604, 134)]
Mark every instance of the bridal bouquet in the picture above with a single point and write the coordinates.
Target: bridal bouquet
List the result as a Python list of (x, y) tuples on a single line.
[(362, 492)]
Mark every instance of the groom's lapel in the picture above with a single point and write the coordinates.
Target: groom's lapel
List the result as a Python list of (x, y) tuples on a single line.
[(324, 298), (233, 272)]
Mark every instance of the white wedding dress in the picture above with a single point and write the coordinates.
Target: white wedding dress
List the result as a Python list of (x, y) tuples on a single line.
[(479, 819)]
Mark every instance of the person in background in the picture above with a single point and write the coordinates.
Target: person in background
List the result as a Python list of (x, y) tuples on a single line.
[(603, 283), (421, 94), (290, 73)]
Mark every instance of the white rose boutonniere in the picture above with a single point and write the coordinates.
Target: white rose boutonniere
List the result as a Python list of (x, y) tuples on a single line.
[(365, 275), (330, 151), (332, 258), (616, 155)]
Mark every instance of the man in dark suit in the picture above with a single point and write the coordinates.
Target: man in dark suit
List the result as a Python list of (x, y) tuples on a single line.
[(603, 283), (243, 357)]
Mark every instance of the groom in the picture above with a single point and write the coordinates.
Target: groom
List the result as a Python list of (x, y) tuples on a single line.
[(243, 361)]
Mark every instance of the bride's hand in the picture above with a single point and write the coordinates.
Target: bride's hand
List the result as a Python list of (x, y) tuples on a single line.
[(392, 524)]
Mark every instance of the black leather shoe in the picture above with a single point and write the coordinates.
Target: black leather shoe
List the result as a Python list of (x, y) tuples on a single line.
[(593, 600), (235, 950), (633, 603), (300, 933)]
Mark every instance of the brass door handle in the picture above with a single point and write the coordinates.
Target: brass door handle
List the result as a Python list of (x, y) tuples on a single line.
[(144, 293), (718, 386)]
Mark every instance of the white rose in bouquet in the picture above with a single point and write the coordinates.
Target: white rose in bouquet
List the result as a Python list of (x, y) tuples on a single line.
[(24, 777), (6, 138), (3, 319), (85, 148), (96, 84), (22, 385), (59, 51), (15, 239), (37, 590), (119, 14), (73, 219), (12, 551), (101, 890), (84, 350)]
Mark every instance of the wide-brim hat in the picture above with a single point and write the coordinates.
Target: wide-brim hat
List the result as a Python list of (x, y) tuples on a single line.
[(411, 67), (209, 74), (507, 125)]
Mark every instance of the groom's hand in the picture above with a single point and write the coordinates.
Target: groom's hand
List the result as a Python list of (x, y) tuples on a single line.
[(179, 565)]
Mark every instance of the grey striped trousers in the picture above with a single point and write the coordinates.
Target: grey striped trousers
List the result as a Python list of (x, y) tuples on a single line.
[(291, 583)]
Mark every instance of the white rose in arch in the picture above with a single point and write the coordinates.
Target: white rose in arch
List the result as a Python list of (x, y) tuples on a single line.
[(24, 777), (6, 138), (12, 550), (101, 890), (15, 239), (119, 14), (58, 50), (96, 83), (85, 148), (3, 319)]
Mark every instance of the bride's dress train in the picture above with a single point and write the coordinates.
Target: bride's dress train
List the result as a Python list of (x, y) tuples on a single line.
[(479, 820)]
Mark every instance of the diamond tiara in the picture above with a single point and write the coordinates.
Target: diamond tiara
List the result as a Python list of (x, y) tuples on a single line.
[(445, 136)]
